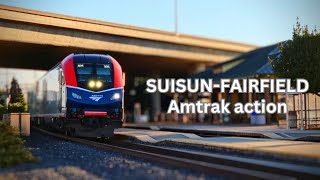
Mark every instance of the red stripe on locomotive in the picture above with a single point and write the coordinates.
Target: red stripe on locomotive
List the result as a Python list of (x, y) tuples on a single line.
[(117, 74), (68, 71), (94, 113)]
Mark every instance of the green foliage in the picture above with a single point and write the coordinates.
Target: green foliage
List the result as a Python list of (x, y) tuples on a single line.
[(16, 103), (2, 110), (12, 150), (1, 100), (300, 57), (16, 107)]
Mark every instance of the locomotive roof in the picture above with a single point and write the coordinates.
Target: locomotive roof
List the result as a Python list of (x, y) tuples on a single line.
[(70, 56), (86, 56)]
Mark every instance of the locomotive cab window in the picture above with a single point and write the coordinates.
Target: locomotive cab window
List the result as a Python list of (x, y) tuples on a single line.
[(104, 74), (84, 71), (94, 76)]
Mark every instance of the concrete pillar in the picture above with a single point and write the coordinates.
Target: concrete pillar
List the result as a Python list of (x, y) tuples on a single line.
[(20, 121), (155, 101), (267, 97), (137, 112)]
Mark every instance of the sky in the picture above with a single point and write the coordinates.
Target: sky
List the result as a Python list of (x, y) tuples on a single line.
[(24, 76), (257, 22)]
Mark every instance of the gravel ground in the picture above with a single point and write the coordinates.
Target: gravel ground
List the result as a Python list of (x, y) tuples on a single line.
[(61, 159)]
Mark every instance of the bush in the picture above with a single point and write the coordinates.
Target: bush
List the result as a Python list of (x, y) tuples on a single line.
[(16, 107), (12, 149), (2, 111)]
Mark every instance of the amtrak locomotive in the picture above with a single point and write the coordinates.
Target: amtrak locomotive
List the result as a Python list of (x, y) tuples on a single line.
[(82, 95)]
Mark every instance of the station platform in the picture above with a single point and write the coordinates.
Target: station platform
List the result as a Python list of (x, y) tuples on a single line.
[(299, 149), (255, 131)]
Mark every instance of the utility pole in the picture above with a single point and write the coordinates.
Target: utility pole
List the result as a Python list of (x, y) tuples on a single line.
[(176, 16)]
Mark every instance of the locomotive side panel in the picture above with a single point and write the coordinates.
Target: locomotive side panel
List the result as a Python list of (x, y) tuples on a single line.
[(48, 93)]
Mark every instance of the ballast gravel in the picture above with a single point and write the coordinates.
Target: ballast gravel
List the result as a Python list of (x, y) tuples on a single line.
[(60, 159)]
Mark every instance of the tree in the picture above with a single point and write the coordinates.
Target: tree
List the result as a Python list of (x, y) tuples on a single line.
[(3, 109), (16, 103), (300, 57), (2, 93)]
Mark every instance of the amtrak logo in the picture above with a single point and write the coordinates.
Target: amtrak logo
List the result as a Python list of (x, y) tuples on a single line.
[(76, 96), (96, 97)]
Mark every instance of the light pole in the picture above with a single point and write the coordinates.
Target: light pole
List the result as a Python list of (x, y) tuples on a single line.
[(176, 16)]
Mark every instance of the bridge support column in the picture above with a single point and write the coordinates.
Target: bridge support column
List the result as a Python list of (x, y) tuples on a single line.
[(155, 103)]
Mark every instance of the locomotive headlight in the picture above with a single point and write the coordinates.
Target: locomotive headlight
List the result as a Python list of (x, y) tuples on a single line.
[(115, 96), (98, 84), (91, 84)]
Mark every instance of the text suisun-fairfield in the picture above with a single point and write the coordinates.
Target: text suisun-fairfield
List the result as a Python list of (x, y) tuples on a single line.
[(226, 85), (239, 85)]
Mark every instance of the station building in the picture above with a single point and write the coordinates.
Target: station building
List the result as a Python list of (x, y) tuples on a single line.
[(255, 64)]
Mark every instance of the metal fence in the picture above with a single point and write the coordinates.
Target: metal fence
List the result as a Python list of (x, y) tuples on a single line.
[(306, 108)]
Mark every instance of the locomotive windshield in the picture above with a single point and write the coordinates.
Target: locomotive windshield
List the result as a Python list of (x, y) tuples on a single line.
[(94, 76), (84, 72), (104, 72)]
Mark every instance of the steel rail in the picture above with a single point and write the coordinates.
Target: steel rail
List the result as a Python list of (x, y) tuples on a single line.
[(214, 133), (202, 133), (213, 165)]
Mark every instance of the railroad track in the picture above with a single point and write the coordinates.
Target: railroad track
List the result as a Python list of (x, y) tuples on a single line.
[(213, 133), (202, 133), (213, 164)]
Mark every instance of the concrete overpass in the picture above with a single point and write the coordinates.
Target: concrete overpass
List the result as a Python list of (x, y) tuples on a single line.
[(38, 40), (28, 37)]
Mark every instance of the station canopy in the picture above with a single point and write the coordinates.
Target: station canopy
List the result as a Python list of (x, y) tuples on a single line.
[(251, 64)]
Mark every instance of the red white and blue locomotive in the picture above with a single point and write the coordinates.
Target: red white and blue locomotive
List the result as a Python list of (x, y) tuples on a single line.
[(82, 95)]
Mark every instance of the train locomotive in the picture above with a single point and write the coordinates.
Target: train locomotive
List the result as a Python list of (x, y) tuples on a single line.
[(81, 96)]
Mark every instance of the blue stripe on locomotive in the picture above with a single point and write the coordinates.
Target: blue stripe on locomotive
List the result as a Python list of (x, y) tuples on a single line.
[(79, 97)]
